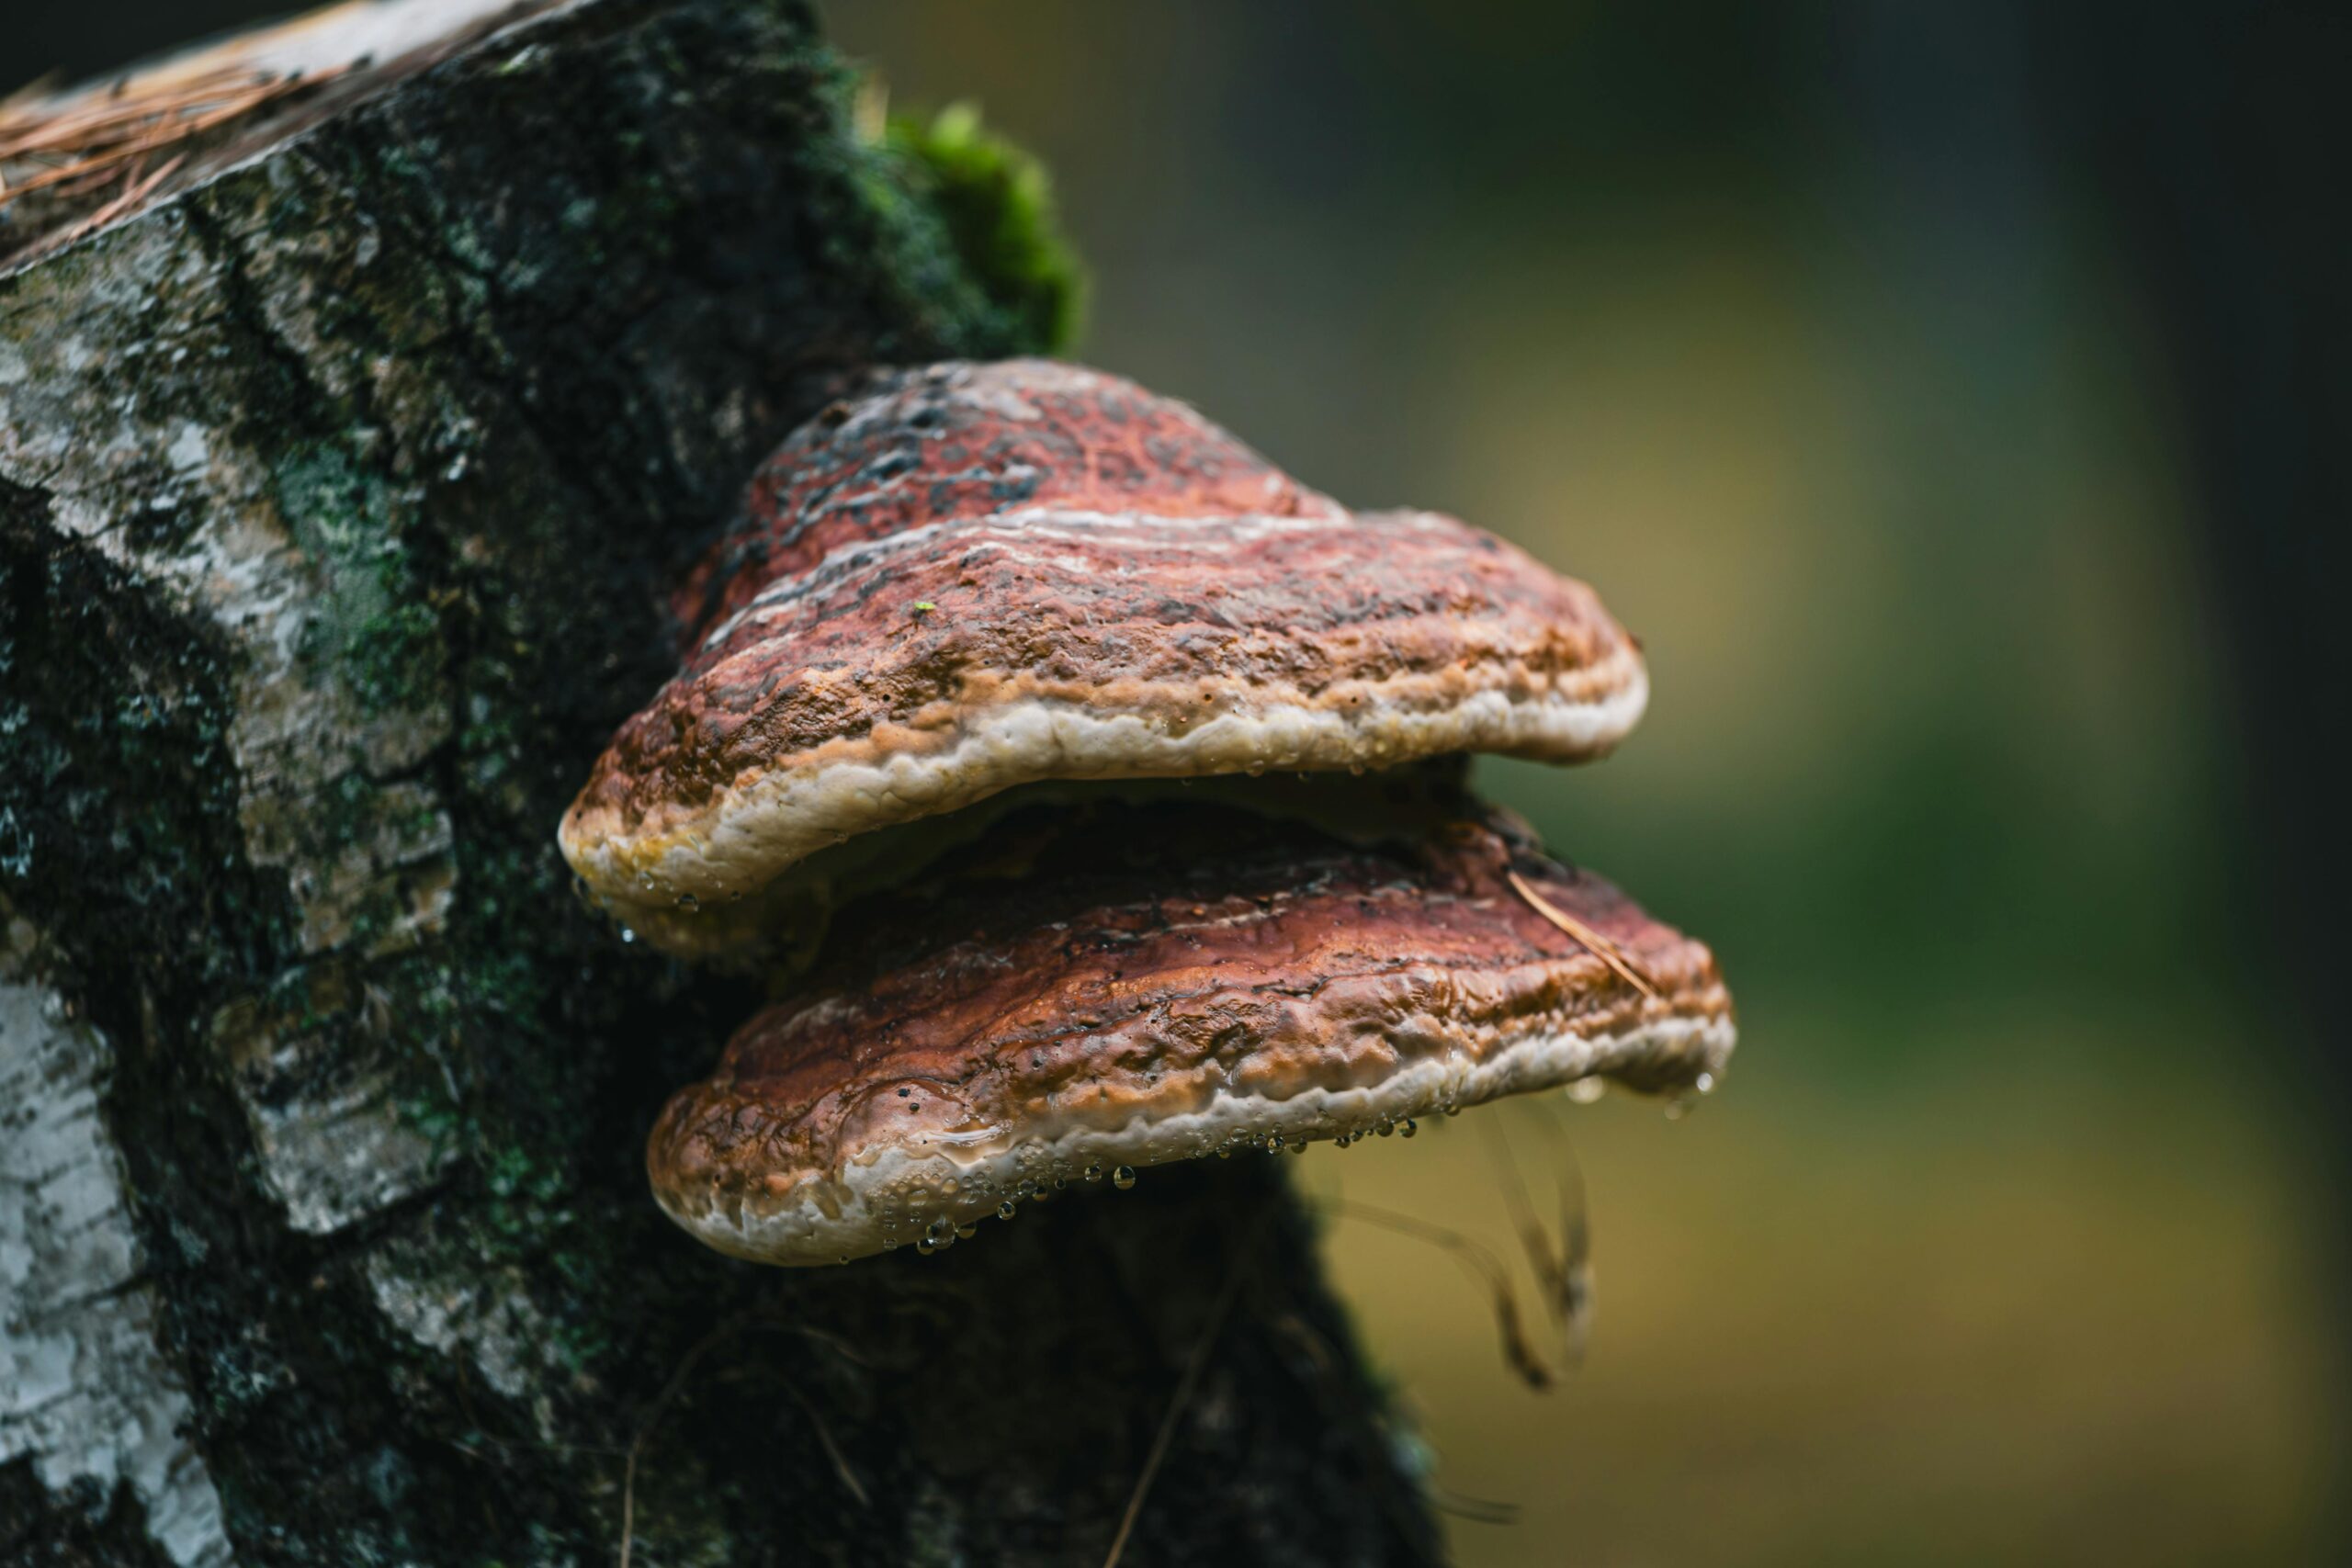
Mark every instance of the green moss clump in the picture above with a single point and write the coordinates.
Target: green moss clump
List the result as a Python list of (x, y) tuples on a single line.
[(884, 232), (997, 201)]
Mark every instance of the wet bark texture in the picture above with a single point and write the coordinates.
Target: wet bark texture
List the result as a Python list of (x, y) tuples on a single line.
[(336, 496)]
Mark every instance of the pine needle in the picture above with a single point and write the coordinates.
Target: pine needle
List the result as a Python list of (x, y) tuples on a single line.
[(77, 146), (1599, 946), (1194, 1365)]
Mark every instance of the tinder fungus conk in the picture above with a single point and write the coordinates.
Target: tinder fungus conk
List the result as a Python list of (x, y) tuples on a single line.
[(1098, 989), (978, 576)]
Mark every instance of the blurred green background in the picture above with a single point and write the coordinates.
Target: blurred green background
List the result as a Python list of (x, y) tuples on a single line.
[(1810, 335), (1791, 330)]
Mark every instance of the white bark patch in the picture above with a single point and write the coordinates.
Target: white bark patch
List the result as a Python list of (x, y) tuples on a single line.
[(433, 1289), (85, 1391), (116, 434), (320, 1092)]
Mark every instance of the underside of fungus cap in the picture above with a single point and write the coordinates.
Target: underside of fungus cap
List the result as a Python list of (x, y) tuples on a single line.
[(1126, 986), (978, 576)]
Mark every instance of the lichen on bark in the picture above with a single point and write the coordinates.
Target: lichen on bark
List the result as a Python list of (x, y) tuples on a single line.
[(336, 495)]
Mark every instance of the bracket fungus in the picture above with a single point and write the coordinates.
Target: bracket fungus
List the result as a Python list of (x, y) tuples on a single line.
[(977, 576), (950, 600), (1098, 989)]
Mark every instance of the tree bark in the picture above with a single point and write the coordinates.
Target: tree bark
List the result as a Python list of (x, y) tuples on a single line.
[(337, 490)]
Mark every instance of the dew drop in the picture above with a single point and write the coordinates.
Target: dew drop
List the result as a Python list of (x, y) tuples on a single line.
[(1585, 1091), (689, 903), (1007, 1209), (1093, 1173), (1123, 1178), (966, 1233), (1407, 1127), (1705, 1083)]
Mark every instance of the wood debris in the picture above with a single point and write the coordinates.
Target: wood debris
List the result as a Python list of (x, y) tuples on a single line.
[(106, 146)]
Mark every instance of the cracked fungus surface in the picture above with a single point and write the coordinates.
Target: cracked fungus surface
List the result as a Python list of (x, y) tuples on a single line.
[(983, 575), (1130, 985)]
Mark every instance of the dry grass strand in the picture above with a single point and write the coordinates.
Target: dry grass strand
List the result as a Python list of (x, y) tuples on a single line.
[(1484, 1266)]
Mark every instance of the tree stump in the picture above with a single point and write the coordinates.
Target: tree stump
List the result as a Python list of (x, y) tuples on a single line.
[(343, 463)]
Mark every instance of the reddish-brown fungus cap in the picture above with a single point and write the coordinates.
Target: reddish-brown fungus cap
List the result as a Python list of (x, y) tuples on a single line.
[(979, 576), (1135, 984)]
